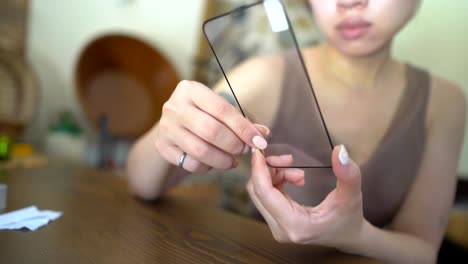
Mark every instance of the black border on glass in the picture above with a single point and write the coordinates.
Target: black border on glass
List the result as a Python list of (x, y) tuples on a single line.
[(296, 45)]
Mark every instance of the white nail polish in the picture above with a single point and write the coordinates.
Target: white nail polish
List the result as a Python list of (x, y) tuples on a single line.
[(246, 149), (343, 155), (260, 142), (253, 150)]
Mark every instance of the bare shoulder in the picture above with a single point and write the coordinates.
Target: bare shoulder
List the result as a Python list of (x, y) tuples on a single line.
[(257, 84), (447, 104), (254, 73), (261, 64)]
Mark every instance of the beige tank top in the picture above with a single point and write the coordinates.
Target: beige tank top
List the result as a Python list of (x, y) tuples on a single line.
[(387, 176)]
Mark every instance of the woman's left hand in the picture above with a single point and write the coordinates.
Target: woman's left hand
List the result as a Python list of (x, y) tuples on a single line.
[(336, 222)]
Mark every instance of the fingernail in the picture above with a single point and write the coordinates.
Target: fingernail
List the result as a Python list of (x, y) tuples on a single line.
[(246, 149), (343, 155), (264, 129), (253, 150), (260, 142)]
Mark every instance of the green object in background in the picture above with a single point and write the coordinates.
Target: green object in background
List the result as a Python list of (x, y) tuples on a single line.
[(5, 147), (66, 124)]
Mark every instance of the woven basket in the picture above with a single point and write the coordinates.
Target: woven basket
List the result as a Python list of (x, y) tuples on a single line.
[(18, 94)]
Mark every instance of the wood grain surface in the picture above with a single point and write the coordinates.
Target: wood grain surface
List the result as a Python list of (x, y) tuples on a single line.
[(102, 223)]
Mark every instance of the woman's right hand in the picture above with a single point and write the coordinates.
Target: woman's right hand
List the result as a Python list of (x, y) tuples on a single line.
[(209, 129)]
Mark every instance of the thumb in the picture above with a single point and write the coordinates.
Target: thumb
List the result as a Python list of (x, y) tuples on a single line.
[(263, 129), (261, 175), (347, 173)]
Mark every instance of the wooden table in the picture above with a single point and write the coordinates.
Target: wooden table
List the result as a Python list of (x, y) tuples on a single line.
[(102, 223)]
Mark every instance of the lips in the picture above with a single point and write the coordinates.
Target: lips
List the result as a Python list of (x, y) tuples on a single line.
[(352, 29)]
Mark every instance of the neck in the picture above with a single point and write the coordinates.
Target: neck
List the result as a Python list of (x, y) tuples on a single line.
[(362, 73)]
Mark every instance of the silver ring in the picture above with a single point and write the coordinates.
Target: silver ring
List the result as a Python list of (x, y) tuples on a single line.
[(182, 159)]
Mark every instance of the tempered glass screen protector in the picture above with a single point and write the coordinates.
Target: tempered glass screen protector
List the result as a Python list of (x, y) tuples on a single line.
[(271, 86)]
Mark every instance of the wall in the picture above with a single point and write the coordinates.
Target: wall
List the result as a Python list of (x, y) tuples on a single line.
[(59, 30), (437, 39)]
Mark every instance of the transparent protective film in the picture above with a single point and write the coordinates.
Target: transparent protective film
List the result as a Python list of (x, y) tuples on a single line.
[(270, 83)]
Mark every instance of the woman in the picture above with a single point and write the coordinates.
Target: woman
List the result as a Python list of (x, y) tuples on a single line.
[(395, 180)]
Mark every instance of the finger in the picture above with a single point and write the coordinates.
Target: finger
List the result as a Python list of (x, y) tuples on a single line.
[(271, 198), (293, 176), (261, 209), (201, 150), (280, 161), (347, 173), (219, 108), (213, 131), (263, 129), (173, 153), (277, 231)]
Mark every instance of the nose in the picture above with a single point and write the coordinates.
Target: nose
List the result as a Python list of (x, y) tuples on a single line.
[(350, 4)]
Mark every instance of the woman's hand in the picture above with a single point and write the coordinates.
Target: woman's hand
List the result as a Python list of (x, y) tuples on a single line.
[(336, 222), (202, 124)]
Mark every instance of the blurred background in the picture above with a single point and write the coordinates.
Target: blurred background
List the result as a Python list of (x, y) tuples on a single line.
[(80, 80)]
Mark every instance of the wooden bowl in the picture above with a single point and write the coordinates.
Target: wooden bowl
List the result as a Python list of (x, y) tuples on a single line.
[(127, 81)]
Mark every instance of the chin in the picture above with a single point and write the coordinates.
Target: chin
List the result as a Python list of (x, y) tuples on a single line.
[(360, 49)]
